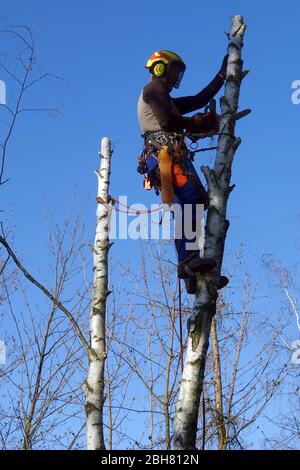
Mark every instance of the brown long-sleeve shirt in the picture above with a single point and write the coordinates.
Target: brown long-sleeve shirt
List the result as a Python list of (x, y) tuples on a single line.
[(157, 110)]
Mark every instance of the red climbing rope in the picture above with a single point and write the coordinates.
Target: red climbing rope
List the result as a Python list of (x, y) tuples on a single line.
[(180, 324), (129, 209), (134, 211)]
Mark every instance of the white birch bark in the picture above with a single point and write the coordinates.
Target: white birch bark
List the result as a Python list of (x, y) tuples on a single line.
[(94, 385), (204, 308)]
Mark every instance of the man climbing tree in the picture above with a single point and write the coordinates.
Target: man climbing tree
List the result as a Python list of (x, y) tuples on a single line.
[(166, 160)]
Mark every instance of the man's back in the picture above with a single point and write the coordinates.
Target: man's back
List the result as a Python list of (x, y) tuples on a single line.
[(156, 109)]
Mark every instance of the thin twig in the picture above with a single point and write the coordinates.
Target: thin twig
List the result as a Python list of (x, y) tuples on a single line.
[(47, 293)]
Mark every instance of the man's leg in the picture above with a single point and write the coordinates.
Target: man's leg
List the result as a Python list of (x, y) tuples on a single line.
[(190, 194), (191, 191), (189, 223)]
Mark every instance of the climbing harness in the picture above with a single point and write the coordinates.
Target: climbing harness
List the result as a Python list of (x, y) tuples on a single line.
[(163, 161)]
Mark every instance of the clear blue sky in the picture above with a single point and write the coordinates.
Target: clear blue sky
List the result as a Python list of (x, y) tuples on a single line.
[(100, 48)]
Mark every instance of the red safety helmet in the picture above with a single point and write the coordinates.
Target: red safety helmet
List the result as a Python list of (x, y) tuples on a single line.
[(166, 63)]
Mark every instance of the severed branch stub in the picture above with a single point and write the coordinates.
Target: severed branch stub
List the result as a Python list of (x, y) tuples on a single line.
[(219, 188)]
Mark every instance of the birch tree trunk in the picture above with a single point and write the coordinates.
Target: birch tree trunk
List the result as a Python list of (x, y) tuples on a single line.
[(94, 385), (204, 308)]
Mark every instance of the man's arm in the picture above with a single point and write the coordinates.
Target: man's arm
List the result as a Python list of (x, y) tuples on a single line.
[(187, 104)]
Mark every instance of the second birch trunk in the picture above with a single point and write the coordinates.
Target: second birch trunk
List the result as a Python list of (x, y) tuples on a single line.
[(94, 385)]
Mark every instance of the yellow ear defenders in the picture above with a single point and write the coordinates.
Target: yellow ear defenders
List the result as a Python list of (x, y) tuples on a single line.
[(159, 69)]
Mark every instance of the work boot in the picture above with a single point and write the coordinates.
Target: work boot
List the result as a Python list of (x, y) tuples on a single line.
[(192, 264), (191, 284)]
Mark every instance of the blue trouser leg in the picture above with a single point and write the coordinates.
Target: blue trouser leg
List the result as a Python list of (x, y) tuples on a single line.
[(187, 194)]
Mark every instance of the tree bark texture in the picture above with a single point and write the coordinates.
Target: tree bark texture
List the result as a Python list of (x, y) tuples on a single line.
[(204, 308), (94, 385)]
